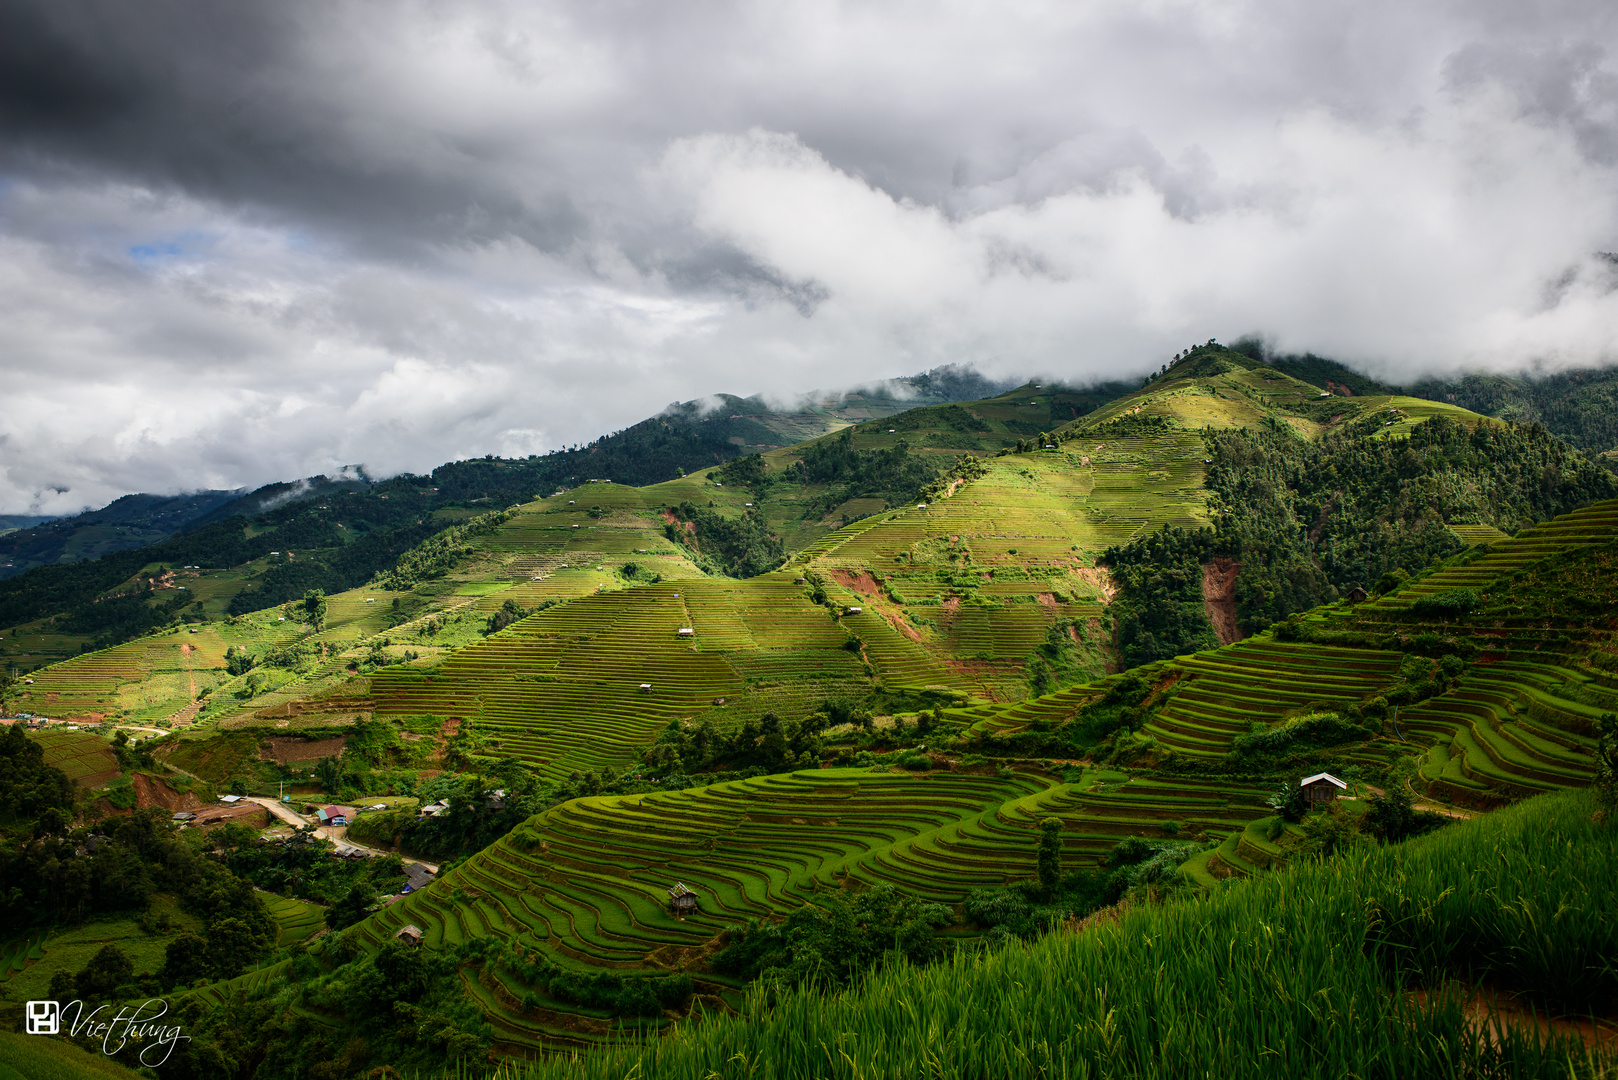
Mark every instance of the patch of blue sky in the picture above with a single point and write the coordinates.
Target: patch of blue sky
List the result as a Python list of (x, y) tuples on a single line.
[(156, 252)]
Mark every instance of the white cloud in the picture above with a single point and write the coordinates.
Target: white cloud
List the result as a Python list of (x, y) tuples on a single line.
[(335, 237)]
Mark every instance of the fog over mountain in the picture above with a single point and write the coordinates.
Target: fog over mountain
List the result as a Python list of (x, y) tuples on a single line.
[(241, 243)]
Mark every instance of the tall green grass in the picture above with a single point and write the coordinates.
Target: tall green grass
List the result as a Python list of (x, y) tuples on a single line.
[(40, 1057), (1302, 973)]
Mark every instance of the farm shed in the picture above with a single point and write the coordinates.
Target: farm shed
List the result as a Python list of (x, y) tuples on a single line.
[(852, 610), (1321, 788), (686, 631), (183, 816), (682, 900), (417, 875), (411, 934), (646, 688), (1357, 595)]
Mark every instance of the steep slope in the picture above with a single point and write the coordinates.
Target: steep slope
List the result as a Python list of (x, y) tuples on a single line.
[(987, 593), (1490, 672), (1505, 683)]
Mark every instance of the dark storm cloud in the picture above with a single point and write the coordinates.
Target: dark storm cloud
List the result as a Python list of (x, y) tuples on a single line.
[(242, 242)]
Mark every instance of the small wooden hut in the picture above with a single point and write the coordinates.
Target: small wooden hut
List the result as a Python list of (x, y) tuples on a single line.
[(682, 900), (410, 935), (1321, 788), (1357, 595)]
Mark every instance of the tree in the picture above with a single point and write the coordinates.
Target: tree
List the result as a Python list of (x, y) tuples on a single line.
[(1392, 817), (1607, 763), (351, 908), (104, 974), (184, 961), (232, 945), (1288, 801), (314, 609), (330, 774), (1049, 862)]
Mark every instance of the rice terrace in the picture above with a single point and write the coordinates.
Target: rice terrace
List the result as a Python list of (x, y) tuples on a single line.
[(1222, 724)]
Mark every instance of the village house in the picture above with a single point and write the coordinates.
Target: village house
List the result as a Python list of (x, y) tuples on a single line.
[(1321, 788), (335, 815)]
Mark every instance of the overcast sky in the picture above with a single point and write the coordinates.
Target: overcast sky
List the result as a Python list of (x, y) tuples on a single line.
[(253, 241)]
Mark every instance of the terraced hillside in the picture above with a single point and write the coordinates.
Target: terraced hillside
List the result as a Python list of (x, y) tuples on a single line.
[(1524, 685), (985, 594), (585, 885)]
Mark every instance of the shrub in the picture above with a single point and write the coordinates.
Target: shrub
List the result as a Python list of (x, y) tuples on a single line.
[(1450, 603)]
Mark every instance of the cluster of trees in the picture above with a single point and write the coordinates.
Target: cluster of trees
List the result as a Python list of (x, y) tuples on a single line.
[(740, 546), (837, 939), (402, 1010), (623, 995), (31, 790), (893, 473), (1390, 817), (768, 743), (440, 553), (1309, 521), (476, 817), (304, 870), (1580, 407), (508, 613), (1026, 909), (66, 874)]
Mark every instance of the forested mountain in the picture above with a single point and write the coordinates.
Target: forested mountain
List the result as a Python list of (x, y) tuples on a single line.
[(133, 521)]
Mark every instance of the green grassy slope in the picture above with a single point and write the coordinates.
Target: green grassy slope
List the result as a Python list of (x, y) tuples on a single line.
[(584, 884), (966, 597), (1306, 973), (1518, 717)]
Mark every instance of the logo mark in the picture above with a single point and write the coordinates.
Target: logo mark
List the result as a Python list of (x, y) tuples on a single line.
[(44, 1017)]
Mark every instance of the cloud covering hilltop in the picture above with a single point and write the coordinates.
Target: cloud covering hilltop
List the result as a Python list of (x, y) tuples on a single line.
[(246, 242)]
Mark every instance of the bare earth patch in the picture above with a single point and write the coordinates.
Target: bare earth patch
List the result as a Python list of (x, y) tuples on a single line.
[(284, 749), (1100, 577), (861, 582), (150, 791), (1219, 597)]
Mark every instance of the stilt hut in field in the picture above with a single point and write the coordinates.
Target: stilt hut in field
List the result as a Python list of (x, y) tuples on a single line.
[(682, 900), (410, 935), (1321, 788)]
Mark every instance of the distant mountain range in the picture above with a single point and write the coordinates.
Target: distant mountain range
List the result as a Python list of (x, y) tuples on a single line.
[(684, 436), (1579, 407)]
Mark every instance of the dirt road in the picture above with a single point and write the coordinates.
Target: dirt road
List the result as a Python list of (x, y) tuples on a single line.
[(337, 834), (280, 810)]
